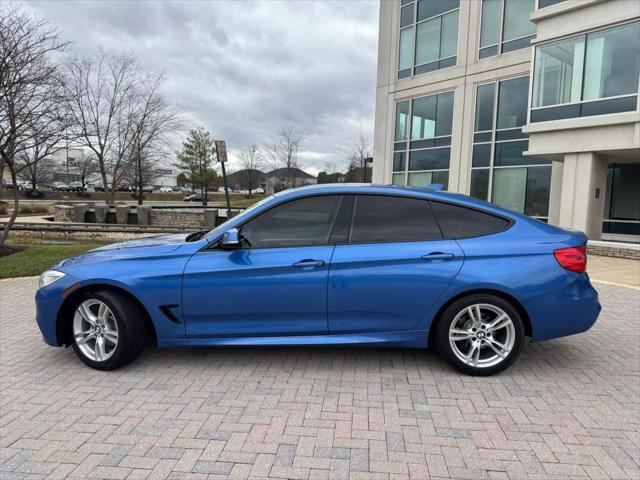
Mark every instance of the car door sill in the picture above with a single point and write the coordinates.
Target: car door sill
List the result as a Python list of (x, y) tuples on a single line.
[(406, 339)]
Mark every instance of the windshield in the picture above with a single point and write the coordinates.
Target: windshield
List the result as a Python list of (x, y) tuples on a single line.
[(244, 213)]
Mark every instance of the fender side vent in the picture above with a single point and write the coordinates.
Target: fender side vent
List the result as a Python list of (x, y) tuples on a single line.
[(166, 309)]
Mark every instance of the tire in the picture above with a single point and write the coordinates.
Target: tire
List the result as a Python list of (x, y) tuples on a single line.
[(125, 323), (495, 343)]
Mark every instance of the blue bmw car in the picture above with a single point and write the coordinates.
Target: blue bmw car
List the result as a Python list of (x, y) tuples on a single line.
[(331, 265)]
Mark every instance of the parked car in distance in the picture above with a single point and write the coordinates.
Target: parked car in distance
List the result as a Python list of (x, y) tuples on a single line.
[(124, 187), (59, 187), (76, 187), (331, 265), (8, 184), (99, 187), (186, 190), (166, 189), (259, 191), (194, 197), (147, 189)]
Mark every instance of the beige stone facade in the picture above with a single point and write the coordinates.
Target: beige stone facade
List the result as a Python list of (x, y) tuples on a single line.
[(576, 154)]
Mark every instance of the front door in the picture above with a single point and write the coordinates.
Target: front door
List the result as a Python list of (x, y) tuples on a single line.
[(394, 267), (274, 284)]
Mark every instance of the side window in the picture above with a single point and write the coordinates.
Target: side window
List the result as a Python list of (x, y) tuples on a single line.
[(304, 222), (461, 222), (383, 219)]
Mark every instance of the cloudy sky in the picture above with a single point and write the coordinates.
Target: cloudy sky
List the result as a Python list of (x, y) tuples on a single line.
[(245, 69)]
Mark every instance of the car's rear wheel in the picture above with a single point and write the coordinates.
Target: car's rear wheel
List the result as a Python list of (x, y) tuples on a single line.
[(107, 330), (480, 334)]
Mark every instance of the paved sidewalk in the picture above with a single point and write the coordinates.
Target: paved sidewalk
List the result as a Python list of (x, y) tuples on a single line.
[(568, 409), (613, 270)]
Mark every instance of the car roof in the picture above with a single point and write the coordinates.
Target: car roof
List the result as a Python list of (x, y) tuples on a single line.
[(432, 192)]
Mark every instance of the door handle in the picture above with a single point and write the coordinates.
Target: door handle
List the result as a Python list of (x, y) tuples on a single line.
[(437, 256), (309, 263)]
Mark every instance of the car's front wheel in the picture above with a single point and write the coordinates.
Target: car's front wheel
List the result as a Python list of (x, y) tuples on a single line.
[(107, 330), (480, 334)]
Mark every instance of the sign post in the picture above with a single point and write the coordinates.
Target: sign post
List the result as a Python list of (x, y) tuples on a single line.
[(367, 161), (221, 151)]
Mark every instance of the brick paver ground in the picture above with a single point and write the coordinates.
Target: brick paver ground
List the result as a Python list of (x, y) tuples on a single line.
[(568, 409)]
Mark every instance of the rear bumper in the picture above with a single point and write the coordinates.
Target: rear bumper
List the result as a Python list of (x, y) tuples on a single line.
[(48, 302), (566, 311)]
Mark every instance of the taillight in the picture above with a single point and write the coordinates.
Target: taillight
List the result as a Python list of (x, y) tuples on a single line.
[(572, 258)]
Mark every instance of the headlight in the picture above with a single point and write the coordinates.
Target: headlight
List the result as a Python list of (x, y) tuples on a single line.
[(49, 276)]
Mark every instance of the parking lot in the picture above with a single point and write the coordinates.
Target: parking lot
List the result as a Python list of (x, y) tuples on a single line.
[(568, 409)]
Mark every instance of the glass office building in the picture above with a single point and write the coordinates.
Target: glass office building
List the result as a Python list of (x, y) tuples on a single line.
[(529, 104)]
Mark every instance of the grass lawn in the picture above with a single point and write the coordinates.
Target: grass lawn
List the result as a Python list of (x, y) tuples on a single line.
[(35, 258), (246, 202)]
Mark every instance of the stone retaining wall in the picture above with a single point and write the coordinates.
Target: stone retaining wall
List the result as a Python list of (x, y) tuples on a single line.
[(613, 249), (190, 218), (75, 236), (184, 218)]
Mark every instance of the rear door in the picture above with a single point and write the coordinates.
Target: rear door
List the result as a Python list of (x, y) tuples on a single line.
[(394, 266)]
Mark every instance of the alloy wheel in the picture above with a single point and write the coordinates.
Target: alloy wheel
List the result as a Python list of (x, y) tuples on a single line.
[(95, 330), (482, 335)]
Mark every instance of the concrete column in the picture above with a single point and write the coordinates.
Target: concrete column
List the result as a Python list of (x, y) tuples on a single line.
[(210, 217), (101, 213), (555, 194), (584, 179), (384, 129), (122, 214), (79, 210), (144, 214), (457, 146), (385, 107)]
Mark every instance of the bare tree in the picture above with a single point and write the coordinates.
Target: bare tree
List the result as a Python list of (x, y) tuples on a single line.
[(283, 153), (30, 162), (251, 161), (359, 152), (154, 122), (31, 93), (102, 99), (87, 168)]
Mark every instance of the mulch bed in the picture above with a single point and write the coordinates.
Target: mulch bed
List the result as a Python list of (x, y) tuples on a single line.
[(8, 250)]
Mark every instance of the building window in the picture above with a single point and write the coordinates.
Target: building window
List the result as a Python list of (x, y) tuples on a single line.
[(622, 202), (500, 173), (428, 36), (422, 143), (505, 26), (586, 75), (548, 3)]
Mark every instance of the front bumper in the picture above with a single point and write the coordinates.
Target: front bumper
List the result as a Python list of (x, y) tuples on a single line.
[(48, 302)]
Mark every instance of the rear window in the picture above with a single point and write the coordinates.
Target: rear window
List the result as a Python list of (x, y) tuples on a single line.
[(382, 219), (461, 222)]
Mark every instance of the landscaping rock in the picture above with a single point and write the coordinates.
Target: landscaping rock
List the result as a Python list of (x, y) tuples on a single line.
[(63, 213)]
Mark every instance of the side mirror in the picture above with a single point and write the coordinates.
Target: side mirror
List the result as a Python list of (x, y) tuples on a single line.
[(231, 239)]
